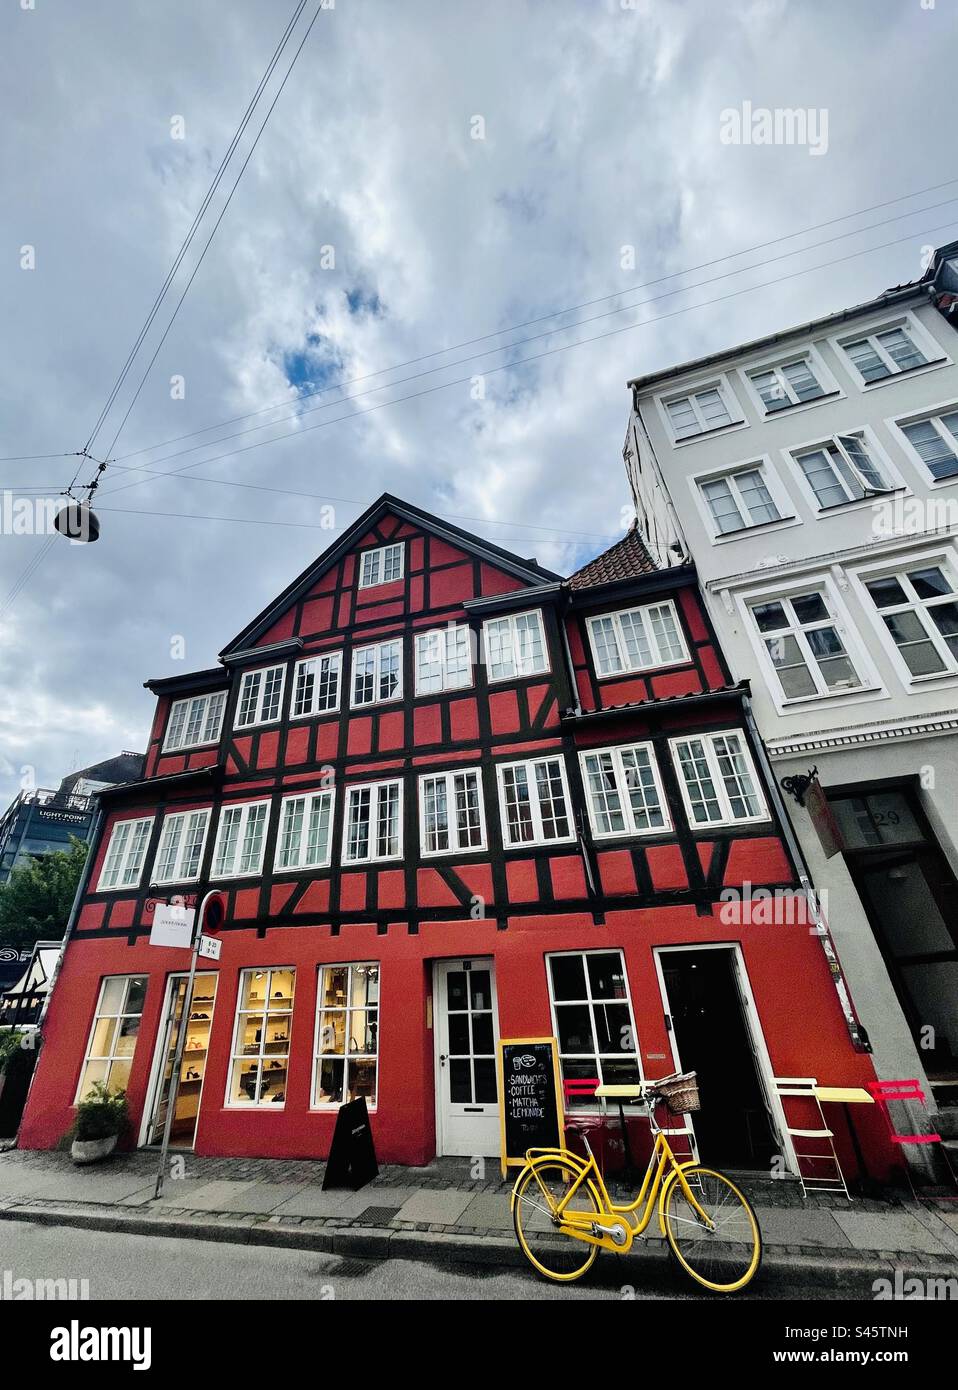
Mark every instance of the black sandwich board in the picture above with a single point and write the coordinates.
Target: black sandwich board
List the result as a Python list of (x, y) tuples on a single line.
[(352, 1157), (530, 1098)]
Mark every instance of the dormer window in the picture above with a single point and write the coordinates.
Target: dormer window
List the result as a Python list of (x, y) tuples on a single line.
[(381, 566), (634, 639)]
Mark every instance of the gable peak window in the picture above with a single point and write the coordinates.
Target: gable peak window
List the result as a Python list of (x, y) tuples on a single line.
[(790, 383), (884, 353), (919, 607), (260, 696), (804, 646), (698, 411), (842, 470), (739, 500), (634, 639), (382, 565)]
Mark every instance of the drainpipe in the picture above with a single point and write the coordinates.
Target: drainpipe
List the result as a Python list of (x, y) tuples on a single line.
[(856, 1029)]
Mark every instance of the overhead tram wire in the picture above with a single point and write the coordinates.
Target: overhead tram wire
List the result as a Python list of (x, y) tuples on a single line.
[(506, 366), (201, 212), (91, 487), (555, 313), (574, 308)]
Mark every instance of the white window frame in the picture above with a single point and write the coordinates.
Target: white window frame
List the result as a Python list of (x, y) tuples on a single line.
[(378, 558), (263, 672), (718, 781), (721, 383), (131, 865), (935, 355), (774, 485), (324, 1107), (582, 1105), (443, 636), (376, 647), (529, 764), (895, 425), (449, 778), (375, 791), (521, 665), (322, 798), (805, 352), (112, 1056), (261, 1055), (876, 452), (630, 829), (335, 661), (178, 822), (937, 559), (246, 809), (187, 704), (659, 659), (854, 645)]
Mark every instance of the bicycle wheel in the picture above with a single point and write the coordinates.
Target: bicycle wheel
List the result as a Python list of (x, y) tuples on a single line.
[(539, 1190), (725, 1256)]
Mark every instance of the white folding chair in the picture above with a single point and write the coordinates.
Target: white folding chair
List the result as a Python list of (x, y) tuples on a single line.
[(803, 1088)]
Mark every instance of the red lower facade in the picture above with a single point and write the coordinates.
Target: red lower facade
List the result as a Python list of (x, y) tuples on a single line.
[(802, 1030)]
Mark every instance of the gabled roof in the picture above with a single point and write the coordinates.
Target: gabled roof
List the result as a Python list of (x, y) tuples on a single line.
[(527, 570), (626, 559)]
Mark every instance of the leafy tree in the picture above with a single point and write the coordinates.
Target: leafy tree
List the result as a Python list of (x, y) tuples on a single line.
[(36, 899)]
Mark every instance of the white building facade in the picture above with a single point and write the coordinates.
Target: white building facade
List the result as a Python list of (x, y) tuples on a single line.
[(812, 477)]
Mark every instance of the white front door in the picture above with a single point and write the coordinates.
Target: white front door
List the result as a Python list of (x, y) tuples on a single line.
[(467, 1030)]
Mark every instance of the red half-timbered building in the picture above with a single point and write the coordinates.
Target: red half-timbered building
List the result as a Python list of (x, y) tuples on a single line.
[(449, 796)]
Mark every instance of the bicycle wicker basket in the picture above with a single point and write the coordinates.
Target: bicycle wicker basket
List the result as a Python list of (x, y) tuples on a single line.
[(680, 1093)]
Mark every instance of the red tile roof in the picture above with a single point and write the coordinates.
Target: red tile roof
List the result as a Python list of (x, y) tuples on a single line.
[(627, 559)]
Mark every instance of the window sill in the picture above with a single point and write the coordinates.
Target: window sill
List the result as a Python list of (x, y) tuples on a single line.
[(259, 724), (932, 678), (860, 503), (897, 376), (707, 826), (311, 714), (730, 428), (334, 1108), (642, 670), (795, 407), (445, 853), (781, 523), (539, 844), (833, 698), (617, 837), (190, 747), (375, 704), (519, 676), (303, 868)]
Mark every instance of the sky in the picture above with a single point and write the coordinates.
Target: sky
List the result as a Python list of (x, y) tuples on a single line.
[(432, 176)]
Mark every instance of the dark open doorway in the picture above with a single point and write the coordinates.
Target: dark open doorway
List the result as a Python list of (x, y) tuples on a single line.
[(712, 1038)]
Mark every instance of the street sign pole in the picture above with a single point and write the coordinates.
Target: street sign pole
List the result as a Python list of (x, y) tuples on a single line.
[(181, 1042)]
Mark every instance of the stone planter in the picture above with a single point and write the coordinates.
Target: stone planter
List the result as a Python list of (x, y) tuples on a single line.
[(93, 1150)]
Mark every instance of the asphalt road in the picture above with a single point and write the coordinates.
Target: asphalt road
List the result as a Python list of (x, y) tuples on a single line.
[(152, 1267)]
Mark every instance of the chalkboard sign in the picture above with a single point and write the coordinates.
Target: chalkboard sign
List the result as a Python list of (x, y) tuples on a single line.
[(352, 1157), (530, 1105)]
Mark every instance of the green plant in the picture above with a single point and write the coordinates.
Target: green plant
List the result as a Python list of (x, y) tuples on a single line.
[(9, 1046), (103, 1113)]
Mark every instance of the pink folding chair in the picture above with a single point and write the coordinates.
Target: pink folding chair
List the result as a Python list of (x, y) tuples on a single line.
[(883, 1093)]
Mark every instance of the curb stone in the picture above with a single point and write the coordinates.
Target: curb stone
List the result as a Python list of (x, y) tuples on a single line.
[(855, 1273)]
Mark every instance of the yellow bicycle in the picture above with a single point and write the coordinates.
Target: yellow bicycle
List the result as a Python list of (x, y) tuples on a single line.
[(563, 1214)]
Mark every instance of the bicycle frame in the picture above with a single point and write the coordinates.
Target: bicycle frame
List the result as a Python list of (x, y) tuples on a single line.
[(612, 1228)]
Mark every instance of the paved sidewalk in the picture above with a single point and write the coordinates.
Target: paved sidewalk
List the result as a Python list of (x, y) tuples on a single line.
[(442, 1211)]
